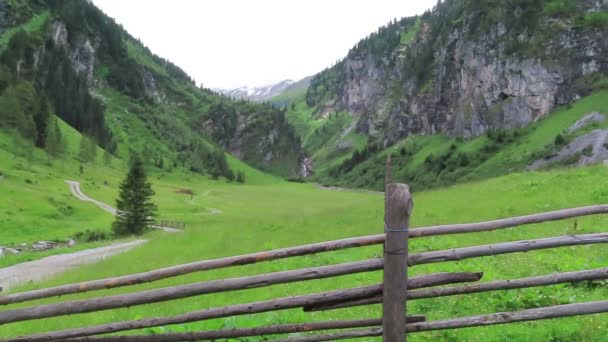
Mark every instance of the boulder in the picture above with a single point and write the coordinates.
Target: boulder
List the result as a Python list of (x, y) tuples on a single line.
[(42, 245), (585, 120), (12, 251)]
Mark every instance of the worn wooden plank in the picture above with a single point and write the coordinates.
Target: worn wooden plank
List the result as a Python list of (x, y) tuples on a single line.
[(549, 312), (398, 210), (508, 222), (239, 309), (506, 247), (243, 332), (551, 279), (282, 253), (173, 271), (184, 291)]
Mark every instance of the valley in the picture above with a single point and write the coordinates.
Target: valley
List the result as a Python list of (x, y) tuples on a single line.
[(486, 112)]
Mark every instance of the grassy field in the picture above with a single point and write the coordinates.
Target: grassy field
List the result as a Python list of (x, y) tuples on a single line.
[(275, 214)]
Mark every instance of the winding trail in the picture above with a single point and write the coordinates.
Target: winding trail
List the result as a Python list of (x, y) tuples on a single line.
[(56, 264), (75, 189)]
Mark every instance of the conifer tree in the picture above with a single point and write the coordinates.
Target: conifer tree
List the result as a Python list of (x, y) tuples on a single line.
[(135, 210), (54, 144)]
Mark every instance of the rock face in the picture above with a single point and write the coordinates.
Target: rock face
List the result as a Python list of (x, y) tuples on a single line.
[(463, 81)]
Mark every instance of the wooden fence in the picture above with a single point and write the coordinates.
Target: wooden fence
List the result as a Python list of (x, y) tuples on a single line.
[(397, 289), (171, 224)]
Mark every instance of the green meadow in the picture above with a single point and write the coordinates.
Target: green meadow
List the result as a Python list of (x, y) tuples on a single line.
[(267, 213)]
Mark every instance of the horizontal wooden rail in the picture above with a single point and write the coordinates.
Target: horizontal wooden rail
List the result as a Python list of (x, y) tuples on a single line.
[(557, 311), (184, 291), (248, 308), (243, 332), (302, 250), (506, 247), (509, 222), (197, 266), (552, 279)]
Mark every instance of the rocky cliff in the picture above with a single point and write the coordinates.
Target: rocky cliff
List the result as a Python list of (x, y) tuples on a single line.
[(468, 67)]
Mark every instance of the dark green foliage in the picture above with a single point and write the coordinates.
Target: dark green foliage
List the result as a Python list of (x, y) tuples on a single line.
[(240, 177), (87, 151), (588, 151), (560, 8), (202, 159), (24, 108), (593, 21), (135, 211), (55, 145), (72, 100), (358, 157), (92, 236), (559, 140)]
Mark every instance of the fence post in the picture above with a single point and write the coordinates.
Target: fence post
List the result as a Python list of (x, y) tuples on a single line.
[(398, 207)]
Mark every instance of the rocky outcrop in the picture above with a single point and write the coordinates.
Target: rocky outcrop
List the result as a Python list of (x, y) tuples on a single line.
[(588, 149), (151, 89), (586, 120), (83, 60), (499, 78)]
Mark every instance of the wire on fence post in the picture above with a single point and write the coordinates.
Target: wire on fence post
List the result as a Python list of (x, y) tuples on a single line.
[(398, 207)]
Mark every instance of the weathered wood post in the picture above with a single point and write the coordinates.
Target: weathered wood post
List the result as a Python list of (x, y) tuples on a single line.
[(398, 207)]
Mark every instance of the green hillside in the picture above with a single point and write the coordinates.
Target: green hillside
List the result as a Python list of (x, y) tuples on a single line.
[(245, 225), (79, 97), (68, 58), (346, 158)]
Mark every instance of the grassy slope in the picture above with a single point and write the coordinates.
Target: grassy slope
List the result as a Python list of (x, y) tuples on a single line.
[(258, 217), (511, 156), (321, 135), (37, 203)]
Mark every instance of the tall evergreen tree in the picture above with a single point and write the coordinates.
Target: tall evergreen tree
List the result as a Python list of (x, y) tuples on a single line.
[(54, 145), (135, 208)]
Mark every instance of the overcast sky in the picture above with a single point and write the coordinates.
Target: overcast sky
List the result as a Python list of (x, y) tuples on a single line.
[(231, 43)]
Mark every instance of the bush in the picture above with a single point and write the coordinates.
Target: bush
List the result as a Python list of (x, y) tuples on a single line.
[(560, 8), (588, 151), (559, 140), (593, 21), (93, 235)]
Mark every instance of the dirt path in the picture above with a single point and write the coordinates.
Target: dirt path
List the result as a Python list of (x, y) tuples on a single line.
[(75, 189), (57, 264)]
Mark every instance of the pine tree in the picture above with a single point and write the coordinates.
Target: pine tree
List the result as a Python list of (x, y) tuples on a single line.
[(54, 144), (135, 209)]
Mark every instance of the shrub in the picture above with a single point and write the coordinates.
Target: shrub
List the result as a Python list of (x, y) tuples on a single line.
[(588, 151), (560, 8), (559, 140), (593, 21), (92, 235)]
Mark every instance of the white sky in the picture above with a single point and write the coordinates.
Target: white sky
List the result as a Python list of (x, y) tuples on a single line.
[(231, 43)]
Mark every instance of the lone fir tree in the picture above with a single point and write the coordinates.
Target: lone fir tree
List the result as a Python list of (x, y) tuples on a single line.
[(135, 210)]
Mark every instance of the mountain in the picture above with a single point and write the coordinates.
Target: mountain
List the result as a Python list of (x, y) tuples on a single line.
[(257, 93), (265, 92), (453, 90), (70, 59), (468, 67)]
